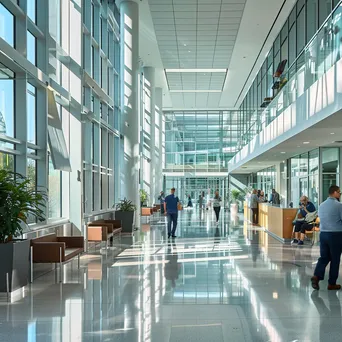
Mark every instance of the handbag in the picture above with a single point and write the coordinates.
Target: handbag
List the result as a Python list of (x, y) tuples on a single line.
[(311, 217), (179, 206)]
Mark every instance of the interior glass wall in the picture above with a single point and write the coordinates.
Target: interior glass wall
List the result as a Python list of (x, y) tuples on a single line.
[(308, 179), (267, 180), (194, 186), (202, 141), (308, 53)]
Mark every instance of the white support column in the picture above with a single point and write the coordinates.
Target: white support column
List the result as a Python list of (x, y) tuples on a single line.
[(129, 24), (150, 104), (159, 162)]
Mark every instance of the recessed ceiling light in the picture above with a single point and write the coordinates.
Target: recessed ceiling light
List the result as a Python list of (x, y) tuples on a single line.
[(306, 142), (184, 44), (332, 133), (282, 152), (195, 70), (196, 91), (189, 51)]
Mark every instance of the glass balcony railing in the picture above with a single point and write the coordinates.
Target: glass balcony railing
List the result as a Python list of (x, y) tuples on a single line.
[(319, 55)]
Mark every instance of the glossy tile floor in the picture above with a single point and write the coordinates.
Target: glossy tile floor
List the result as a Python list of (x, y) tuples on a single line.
[(229, 282)]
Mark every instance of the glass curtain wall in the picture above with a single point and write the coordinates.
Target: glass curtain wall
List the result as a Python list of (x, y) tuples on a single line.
[(101, 126), (194, 186), (306, 177), (330, 169), (82, 67), (309, 64), (202, 141), (267, 180)]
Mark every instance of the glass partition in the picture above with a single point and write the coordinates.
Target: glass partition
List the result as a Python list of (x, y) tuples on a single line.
[(330, 169), (309, 54)]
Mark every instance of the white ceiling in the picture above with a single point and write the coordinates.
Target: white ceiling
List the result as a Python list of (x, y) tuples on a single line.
[(196, 33), (204, 34), (226, 49)]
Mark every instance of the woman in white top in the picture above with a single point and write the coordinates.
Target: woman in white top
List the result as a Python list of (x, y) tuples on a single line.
[(217, 205)]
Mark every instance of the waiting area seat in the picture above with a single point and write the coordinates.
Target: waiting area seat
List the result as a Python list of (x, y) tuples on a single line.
[(103, 230), (56, 249), (146, 212), (314, 233)]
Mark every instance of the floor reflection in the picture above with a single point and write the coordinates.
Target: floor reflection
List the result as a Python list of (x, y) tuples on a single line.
[(226, 282)]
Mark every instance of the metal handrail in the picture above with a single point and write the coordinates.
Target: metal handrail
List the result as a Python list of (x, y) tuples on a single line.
[(287, 75)]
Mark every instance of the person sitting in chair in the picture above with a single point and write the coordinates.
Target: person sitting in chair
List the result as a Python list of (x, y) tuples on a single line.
[(304, 221)]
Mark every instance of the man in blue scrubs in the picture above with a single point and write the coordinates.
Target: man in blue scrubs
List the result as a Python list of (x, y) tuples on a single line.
[(171, 211)]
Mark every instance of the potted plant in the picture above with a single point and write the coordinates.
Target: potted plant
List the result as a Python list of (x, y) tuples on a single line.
[(143, 197), (234, 198), (19, 202), (125, 211)]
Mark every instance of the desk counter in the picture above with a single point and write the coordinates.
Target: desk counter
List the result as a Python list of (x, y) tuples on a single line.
[(277, 220)]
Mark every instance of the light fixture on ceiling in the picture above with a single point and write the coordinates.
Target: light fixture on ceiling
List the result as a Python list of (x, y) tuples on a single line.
[(184, 44), (189, 51), (332, 133), (195, 70), (196, 91), (306, 142), (282, 152)]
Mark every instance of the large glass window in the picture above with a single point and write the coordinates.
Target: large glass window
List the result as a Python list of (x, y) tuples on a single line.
[(31, 47), (324, 10), (6, 25), (54, 191), (300, 31), (6, 161), (31, 9), (311, 19), (7, 107), (31, 113), (31, 172), (330, 160)]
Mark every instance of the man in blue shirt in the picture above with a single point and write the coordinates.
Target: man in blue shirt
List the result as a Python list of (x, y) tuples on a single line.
[(171, 210), (330, 214), (302, 225)]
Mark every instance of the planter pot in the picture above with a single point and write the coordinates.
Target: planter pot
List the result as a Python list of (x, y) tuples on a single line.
[(15, 260), (127, 220), (234, 208)]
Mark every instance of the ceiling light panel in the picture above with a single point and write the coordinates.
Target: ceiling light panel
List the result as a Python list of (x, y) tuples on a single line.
[(200, 80), (195, 34)]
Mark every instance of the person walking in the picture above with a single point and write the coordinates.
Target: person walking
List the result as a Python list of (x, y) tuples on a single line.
[(171, 211), (330, 214), (200, 200), (161, 199), (217, 205), (254, 200), (189, 202)]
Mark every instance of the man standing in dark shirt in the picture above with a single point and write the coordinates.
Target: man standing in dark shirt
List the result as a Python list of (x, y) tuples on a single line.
[(171, 210)]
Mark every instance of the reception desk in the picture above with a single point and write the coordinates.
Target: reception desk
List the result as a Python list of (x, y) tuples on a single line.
[(276, 220)]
